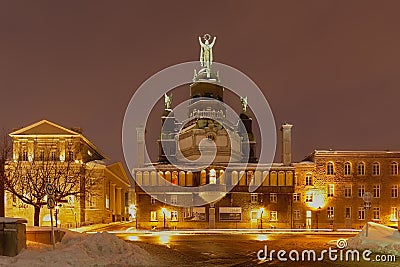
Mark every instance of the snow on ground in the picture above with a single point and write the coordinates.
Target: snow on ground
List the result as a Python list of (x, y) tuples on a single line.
[(380, 239), (101, 249)]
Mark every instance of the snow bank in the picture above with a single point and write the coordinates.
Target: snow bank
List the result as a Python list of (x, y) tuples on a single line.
[(101, 249), (380, 239)]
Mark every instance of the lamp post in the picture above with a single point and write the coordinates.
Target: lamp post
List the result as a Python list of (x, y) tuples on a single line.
[(261, 215), (164, 211)]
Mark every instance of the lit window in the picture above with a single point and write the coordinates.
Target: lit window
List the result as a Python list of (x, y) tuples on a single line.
[(174, 216), (24, 155), (107, 202), (394, 168), (254, 215), (174, 199), (376, 170), (395, 191), (296, 197), (92, 201), (296, 215), (254, 198), (329, 169), (71, 200), (41, 155), (53, 155), (309, 197), (348, 212), (361, 190), (309, 179), (153, 201), (377, 191), (273, 197), (153, 216), (331, 190), (273, 216), (331, 212), (361, 168), (361, 213), (347, 168), (393, 214), (347, 190), (376, 213)]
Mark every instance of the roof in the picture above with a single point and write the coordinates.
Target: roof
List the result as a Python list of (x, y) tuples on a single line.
[(118, 171), (45, 128), (357, 153)]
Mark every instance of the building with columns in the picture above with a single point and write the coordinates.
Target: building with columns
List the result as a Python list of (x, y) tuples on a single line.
[(324, 190), (45, 145)]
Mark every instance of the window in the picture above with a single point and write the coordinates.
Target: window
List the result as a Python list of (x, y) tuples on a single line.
[(296, 215), (394, 168), (92, 201), (71, 200), (376, 213), (70, 155), (309, 179), (41, 155), (347, 168), (361, 168), (254, 198), (395, 191), (361, 190), (274, 216), (377, 191), (309, 197), (361, 213), (348, 212), (393, 214), (153, 201), (347, 190), (174, 216), (24, 155), (329, 169), (331, 190), (53, 155), (273, 197), (296, 197), (254, 215), (107, 202), (174, 199), (376, 170), (153, 216), (331, 212)]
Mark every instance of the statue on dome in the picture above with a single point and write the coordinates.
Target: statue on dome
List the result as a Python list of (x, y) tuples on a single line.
[(243, 101), (206, 55), (167, 101)]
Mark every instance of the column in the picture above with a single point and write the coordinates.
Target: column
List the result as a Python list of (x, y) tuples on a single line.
[(118, 200), (112, 200)]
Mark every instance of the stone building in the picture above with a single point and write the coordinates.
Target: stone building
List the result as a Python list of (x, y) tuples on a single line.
[(323, 191), (44, 143)]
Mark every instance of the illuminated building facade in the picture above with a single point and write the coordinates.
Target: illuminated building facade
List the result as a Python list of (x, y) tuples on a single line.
[(48, 143), (323, 191)]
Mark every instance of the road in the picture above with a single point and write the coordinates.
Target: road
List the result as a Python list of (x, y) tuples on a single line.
[(183, 248)]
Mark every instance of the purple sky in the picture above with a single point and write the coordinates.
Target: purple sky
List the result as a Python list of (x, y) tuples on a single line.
[(331, 68)]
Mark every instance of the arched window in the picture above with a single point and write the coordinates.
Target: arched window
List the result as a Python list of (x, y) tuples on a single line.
[(376, 170), (394, 168), (329, 169), (347, 168), (361, 168)]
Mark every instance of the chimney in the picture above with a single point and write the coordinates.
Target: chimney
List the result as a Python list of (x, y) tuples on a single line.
[(286, 144), (140, 131)]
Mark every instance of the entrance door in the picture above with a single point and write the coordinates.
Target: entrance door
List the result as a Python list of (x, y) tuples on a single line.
[(308, 219)]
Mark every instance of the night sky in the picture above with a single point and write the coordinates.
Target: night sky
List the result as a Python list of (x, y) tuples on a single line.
[(331, 68)]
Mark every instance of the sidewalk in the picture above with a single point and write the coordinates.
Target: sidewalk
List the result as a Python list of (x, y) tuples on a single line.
[(95, 227)]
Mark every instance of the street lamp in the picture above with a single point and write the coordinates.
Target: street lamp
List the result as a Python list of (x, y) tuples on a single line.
[(261, 215), (164, 211)]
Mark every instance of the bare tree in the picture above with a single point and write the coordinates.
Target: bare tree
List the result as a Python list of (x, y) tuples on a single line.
[(26, 177), (5, 152)]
